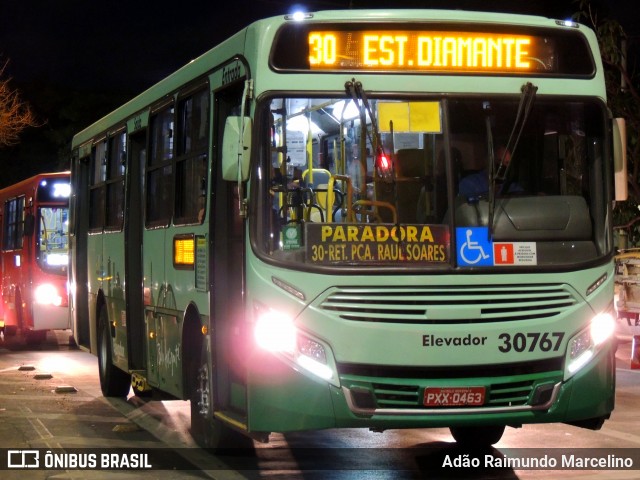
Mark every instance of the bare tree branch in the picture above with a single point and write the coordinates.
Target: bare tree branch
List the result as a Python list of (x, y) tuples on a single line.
[(15, 114)]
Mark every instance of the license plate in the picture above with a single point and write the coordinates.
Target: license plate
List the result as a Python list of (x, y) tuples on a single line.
[(453, 396)]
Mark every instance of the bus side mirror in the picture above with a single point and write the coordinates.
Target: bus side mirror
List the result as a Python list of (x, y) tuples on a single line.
[(236, 151), (620, 158), (29, 225)]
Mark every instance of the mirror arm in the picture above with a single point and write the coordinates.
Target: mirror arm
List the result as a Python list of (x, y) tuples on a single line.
[(246, 94)]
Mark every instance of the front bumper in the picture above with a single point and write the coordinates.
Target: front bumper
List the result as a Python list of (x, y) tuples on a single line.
[(50, 317), (282, 398)]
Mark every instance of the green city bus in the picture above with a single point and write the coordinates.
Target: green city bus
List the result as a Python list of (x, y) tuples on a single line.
[(383, 219)]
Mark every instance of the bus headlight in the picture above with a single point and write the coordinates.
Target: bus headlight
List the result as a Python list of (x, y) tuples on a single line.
[(586, 344), (47, 294), (276, 333), (603, 326), (312, 357)]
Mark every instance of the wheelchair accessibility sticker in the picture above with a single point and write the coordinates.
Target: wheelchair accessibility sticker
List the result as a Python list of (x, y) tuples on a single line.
[(475, 249)]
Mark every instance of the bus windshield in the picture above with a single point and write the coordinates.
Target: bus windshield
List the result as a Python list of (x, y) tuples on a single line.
[(339, 188), (372, 182), (53, 239)]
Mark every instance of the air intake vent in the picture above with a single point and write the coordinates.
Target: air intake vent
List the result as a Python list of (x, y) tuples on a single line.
[(388, 395), (450, 304)]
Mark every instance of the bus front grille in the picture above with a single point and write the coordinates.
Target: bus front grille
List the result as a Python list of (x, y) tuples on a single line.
[(513, 393), (391, 395), (449, 304)]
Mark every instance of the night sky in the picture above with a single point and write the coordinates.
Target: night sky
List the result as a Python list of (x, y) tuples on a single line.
[(84, 52)]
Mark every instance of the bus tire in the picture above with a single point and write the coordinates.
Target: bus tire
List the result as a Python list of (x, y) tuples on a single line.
[(208, 431), (477, 436), (113, 381)]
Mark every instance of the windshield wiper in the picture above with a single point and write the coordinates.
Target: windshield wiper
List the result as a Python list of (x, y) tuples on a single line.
[(387, 172), (355, 90), (499, 173)]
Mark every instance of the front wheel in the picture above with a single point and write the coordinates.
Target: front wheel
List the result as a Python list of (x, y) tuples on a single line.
[(113, 381), (206, 429), (477, 436)]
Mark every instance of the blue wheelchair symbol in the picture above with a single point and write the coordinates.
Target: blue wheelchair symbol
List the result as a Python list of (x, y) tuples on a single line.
[(474, 247)]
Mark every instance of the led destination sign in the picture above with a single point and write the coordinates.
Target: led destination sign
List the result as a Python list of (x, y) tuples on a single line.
[(442, 51), (448, 49)]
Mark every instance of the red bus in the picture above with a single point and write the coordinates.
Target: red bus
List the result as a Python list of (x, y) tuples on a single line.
[(34, 256)]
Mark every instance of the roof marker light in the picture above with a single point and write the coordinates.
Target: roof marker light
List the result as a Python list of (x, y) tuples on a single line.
[(298, 16), (567, 23)]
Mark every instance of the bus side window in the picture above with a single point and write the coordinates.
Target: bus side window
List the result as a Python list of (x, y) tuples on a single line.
[(13, 227), (116, 155), (97, 195), (160, 169), (191, 162)]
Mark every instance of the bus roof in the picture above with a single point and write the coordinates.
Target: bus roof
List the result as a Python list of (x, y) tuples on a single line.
[(235, 44), (19, 187)]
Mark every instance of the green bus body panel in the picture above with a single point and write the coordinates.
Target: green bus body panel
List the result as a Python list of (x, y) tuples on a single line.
[(163, 317), (292, 401), (402, 344), (282, 399), (170, 291), (590, 393)]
